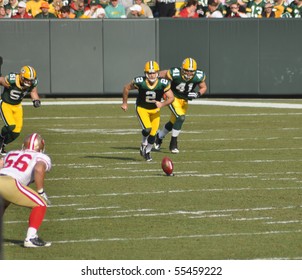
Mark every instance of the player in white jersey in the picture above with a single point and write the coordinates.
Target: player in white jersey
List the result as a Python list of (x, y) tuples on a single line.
[(17, 170)]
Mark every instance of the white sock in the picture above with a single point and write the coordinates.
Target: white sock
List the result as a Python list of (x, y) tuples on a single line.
[(31, 233), (149, 148), (145, 141), (175, 132)]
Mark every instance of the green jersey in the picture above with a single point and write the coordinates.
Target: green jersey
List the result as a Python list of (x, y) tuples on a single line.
[(14, 94), (295, 10), (182, 87), (147, 93), (255, 9)]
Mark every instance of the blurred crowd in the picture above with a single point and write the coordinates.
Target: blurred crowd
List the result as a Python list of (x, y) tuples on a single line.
[(70, 9)]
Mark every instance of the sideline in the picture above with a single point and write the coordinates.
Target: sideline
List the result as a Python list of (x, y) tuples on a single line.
[(259, 104)]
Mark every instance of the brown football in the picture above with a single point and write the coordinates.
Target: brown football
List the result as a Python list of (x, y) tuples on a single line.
[(167, 166)]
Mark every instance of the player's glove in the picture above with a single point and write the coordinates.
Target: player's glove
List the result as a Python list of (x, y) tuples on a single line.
[(193, 95), (36, 103), (43, 194)]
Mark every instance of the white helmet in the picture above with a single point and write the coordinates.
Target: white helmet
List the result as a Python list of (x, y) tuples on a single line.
[(34, 142)]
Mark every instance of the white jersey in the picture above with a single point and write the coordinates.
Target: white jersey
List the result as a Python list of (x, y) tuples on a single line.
[(20, 165)]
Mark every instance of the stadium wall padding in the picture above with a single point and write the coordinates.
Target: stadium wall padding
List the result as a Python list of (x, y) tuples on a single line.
[(97, 57)]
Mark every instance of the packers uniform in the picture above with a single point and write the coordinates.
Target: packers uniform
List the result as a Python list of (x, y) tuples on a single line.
[(294, 9), (255, 9), (183, 82), (146, 110), (181, 88), (15, 89)]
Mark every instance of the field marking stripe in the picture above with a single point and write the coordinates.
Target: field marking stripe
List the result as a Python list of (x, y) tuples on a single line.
[(195, 102), (127, 239)]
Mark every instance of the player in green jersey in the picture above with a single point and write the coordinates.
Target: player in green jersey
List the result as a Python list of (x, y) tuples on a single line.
[(183, 82), (16, 86), (151, 91)]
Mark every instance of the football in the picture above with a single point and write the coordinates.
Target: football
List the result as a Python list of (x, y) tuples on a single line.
[(167, 166)]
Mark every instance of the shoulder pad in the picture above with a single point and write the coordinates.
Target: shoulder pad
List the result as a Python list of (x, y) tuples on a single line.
[(200, 75), (35, 83), (11, 78), (175, 71)]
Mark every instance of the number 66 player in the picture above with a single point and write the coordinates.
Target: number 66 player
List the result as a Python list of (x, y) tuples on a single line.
[(18, 169), (151, 90)]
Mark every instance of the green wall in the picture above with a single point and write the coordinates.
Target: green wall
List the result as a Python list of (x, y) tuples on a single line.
[(243, 57)]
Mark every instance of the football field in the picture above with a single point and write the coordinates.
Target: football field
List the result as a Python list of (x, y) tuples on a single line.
[(236, 193)]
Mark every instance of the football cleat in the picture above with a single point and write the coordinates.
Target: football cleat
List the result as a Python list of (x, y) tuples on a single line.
[(157, 142), (3, 151), (173, 146), (146, 155), (35, 242)]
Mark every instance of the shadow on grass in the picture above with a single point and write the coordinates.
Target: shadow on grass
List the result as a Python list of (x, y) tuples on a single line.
[(112, 157), (14, 241)]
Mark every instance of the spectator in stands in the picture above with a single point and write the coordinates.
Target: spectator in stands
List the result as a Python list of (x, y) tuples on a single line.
[(22, 11), (295, 9), (45, 14), (152, 5), (135, 11), (78, 8), (268, 11), (65, 13), (95, 10), (254, 8), (234, 11), (2, 12), (189, 11), (55, 7), (213, 10), (166, 8), (12, 7), (204, 10), (33, 6), (115, 10), (280, 7), (146, 11)]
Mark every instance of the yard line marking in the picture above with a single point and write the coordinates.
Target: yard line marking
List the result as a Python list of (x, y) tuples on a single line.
[(96, 208), (174, 191), (195, 102), (284, 222), (127, 239), (197, 213)]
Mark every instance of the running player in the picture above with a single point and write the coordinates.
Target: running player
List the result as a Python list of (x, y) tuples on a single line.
[(183, 82), (151, 91), (19, 169), (16, 86)]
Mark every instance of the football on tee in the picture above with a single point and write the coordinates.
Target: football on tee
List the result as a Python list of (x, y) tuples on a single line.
[(167, 166)]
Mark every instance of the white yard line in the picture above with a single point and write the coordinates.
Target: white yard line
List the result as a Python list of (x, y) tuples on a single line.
[(194, 102)]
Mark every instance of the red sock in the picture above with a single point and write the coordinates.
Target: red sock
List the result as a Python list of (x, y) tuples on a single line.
[(36, 216)]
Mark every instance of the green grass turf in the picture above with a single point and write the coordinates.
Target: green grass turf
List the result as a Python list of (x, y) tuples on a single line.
[(236, 193)]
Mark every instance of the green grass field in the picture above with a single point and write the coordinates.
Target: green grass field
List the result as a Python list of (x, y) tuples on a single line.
[(236, 193)]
